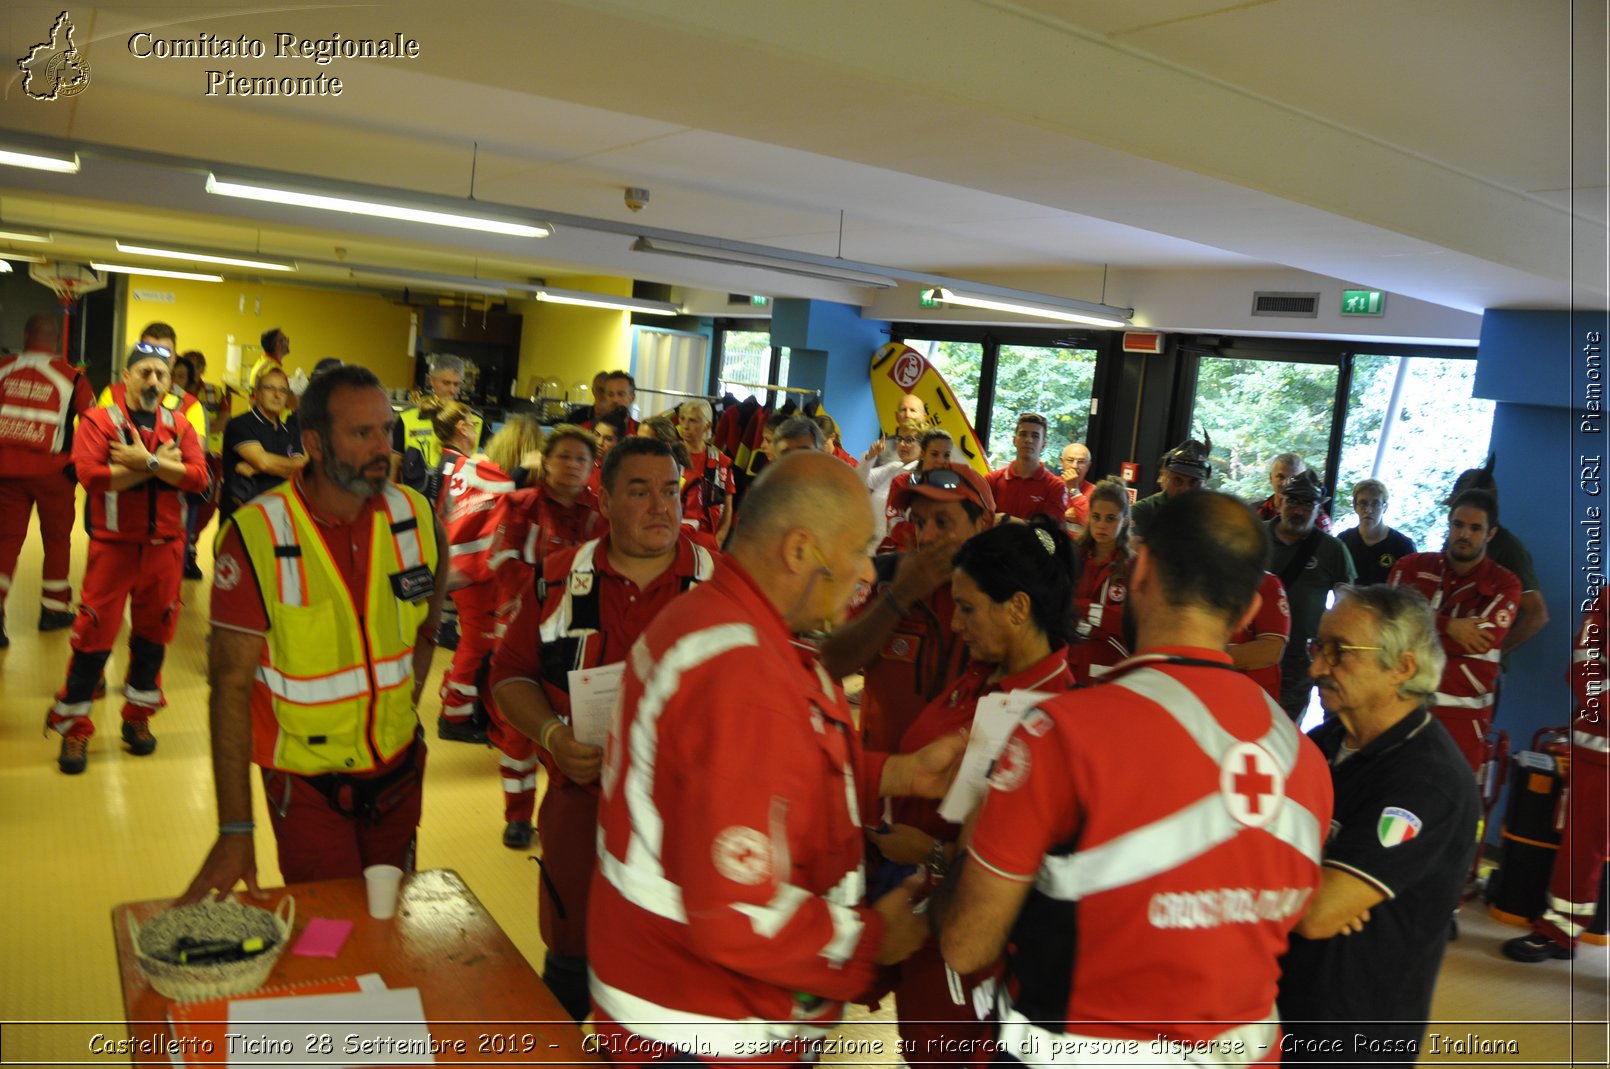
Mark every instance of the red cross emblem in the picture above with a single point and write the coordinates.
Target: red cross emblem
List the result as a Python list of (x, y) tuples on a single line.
[(1251, 784)]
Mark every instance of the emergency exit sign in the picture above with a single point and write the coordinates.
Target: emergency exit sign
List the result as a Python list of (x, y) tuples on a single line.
[(758, 301), (928, 299), (1363, 302)]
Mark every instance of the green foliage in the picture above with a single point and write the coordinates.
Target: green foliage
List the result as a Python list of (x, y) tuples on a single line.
[(1053, 381), (1256, 409)]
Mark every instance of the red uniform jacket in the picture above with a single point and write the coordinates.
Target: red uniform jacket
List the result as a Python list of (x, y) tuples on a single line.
[(1488, 592), (1588, 730), (1098, 616), (528, 525), (39, 396), (1273, 618), (151, 510), (731, 834), (708, 488), (469, 496)]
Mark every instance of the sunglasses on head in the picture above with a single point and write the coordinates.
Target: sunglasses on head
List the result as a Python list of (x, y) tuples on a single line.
[(938, 478), (145, 348)]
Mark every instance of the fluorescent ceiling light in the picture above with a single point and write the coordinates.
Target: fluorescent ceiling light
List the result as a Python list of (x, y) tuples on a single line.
[(441, 284), (604, 300), (1048, 308), (8, 232), (25, 257), (40, 160), (200, 257), (806, 268), (124, 269), (379, 210), (5, 268)]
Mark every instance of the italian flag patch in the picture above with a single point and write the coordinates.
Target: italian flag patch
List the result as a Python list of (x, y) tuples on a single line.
[(1397, 826)]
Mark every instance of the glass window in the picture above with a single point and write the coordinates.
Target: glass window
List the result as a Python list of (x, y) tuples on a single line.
[(1051, 380), (745, 357), (1418, 445), (961, 363), (1256, 409)]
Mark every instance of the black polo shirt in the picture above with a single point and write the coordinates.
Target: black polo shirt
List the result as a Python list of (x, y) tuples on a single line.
[(1405, 822), (283, 439), (1373, 563)]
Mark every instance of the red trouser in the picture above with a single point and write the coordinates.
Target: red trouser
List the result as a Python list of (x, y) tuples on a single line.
[(568, 825), (932, 1027), (52, 495), (518, 765), (318, 842), (476, 605), (204, 508), (147, 577), (1584, 847), (1469, 730)]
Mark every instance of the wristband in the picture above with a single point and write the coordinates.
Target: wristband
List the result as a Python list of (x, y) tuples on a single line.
[(936, 859), (547, 730), (888, 596), (236, 827)]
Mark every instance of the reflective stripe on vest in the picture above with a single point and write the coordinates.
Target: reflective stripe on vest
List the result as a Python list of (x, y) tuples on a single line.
[(53, 418), (336, 674), (120, 424)]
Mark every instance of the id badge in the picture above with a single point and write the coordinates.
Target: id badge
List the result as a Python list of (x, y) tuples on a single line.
[(413, 584)]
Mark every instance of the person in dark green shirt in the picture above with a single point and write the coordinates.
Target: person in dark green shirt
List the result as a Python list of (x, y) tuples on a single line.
[(1310, 563), (1184, 468)]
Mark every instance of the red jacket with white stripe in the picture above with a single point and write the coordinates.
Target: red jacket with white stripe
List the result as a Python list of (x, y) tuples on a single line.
[(1589, 729), (39, 395), (731, 841), (1098, 617), (529, 524), (1489, 593), (148, 511), (469, 495)]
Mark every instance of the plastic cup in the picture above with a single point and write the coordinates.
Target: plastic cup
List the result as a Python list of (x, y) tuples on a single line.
[(382, 882)]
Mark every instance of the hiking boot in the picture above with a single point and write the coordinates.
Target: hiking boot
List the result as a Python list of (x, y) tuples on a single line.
[(460, 730), (74, 755), (192, 570), (1536, 947), (517, 835), (54, 620), (137, 733)]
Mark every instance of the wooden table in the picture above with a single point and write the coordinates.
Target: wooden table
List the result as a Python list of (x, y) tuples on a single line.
[(474, 984)]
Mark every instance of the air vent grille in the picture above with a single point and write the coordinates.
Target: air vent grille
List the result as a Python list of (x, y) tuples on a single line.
[(1287, 305)]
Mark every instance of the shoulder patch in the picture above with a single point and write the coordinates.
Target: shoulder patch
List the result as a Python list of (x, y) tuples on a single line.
[(742, 855), (226, 572), (1011, 768), (1397, 826), (1251, 784), (1037, 722)]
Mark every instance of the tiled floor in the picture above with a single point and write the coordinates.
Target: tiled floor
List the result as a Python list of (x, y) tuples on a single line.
[(135, 828)]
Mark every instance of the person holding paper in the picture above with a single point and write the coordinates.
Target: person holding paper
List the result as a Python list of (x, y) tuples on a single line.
[(726, 918), (1147, 844), (1012, 587), (560, 656)]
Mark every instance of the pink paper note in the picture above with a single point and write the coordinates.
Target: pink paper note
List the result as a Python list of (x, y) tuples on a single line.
[(322, 938)]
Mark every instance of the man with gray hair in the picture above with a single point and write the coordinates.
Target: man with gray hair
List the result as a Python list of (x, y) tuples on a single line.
[(415, 434), (799, 432), (1356, 983)]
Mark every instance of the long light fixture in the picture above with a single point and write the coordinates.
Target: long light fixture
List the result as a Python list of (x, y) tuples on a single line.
[(604, 300), (38, 159), (805, 268), (24, 257), (9, 232), (156, 272), (1045, 310), (200, 257), (229, 187)]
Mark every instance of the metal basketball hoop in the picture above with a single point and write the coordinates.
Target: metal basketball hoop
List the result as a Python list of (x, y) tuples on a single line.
[(68, 281)]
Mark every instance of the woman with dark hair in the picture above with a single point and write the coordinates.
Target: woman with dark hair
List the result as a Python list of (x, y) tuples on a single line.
[(1012, 585), (1098, 600)]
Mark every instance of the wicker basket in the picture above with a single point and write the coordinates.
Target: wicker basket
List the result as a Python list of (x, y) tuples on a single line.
[(208, 921)]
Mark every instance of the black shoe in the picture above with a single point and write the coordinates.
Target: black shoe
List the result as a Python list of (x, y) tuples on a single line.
[(137, 733), (5, 639), (1536, 947), (54, 619), (447, 634), (1453, 927), (192, 570), (74, 754), (517, 835), (460, 730)]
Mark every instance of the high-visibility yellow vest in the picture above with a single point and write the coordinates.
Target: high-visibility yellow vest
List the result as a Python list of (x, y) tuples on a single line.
[(334, 691), (419, 433)]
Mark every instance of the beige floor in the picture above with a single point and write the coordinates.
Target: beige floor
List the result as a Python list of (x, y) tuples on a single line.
[(136, 828)]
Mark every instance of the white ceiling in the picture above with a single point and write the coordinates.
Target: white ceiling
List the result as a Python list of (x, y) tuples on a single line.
[(1435, 149)]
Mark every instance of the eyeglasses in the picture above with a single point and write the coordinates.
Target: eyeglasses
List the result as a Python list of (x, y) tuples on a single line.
[(145, 348), (1332, 649), (903, 440)]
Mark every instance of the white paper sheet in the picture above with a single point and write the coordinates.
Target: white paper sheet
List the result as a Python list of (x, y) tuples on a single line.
[(593, 694), (993, 721), (361, 1028)]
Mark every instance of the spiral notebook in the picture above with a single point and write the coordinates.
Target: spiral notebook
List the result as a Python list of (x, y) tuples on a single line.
[(199, 1027)]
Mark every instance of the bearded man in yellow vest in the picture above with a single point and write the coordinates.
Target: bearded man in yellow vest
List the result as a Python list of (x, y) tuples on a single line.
[(325, 597)]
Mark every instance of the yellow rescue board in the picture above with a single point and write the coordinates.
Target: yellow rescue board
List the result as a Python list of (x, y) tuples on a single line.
[(898, 369)]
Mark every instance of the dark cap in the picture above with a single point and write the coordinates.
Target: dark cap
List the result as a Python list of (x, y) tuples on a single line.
[(1190, 457), (1304, 487), (147, 351), (952, 482)]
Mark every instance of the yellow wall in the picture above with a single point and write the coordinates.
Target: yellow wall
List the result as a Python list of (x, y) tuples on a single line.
[(572, 344), (356, 328)]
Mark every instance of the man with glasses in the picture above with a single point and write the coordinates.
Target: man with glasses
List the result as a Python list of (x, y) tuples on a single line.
[(1475, 600), (1357, 981), (133, 460), (417, 451), (901, 635), (1310, 563), (1373, 545), (1075, 466), (42, 397), (262, 448), (1026, 487)]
